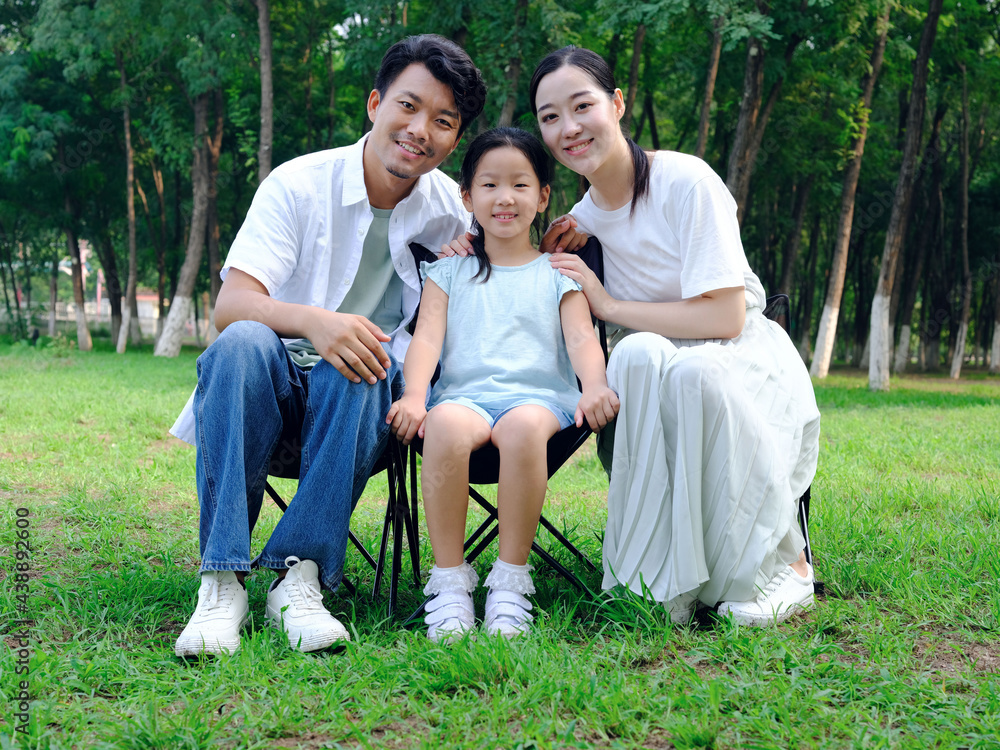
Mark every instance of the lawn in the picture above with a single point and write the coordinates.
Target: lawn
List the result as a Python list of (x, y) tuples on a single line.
[(903, 651)]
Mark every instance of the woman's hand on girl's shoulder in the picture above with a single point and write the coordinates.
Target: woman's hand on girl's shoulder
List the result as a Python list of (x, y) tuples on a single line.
[(573, 266), (460, 246), (562, 236), (406, 418), (598, 406)]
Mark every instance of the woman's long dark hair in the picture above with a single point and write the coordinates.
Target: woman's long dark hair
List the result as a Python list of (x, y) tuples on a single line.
[(593, 64), (533, 151)]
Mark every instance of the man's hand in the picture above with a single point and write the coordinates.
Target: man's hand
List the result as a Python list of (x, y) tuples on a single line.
[(598, 406), (461, 246), (351, 343), (562, 237), (406, 418)]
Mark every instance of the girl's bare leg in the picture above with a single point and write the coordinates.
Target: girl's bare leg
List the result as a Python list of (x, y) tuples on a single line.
[(451, 432), (521, 436)]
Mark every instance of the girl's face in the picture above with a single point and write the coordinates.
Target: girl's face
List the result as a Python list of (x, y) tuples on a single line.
[(505, 194), (579, 122)]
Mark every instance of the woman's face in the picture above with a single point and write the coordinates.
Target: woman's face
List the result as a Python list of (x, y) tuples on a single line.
[(578, 121)]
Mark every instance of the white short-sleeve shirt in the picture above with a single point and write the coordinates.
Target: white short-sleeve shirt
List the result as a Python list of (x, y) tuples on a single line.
[(682, 241), (305, 231)]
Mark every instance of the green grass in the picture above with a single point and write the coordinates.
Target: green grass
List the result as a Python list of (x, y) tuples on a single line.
[(903, 651)]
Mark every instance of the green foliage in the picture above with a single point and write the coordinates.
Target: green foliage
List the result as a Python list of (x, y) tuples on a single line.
[(61, 101)]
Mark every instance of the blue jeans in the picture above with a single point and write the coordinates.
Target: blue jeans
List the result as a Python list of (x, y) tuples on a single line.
[(258, 413)]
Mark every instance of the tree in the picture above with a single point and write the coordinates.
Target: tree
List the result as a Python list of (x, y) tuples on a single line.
[(823, 352), (880, 340)]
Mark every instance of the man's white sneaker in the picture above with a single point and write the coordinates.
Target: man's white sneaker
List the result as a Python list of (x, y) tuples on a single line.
[(295, 605), (222, 610), (507, 613), (786, 594)]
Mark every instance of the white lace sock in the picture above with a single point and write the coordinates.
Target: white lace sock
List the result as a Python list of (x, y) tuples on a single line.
[(458, 578), (516, 578)]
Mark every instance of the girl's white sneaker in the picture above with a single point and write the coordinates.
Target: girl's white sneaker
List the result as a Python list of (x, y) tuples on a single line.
[(507, 613)]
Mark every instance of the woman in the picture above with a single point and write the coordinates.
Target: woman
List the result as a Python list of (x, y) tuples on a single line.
[(718, 431)]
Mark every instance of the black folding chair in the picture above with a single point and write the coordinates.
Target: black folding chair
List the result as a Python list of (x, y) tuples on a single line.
[(777, 309), (401, 518)]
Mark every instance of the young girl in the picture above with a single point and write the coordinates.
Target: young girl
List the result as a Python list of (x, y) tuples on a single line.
[(510, 331), (719, 432)]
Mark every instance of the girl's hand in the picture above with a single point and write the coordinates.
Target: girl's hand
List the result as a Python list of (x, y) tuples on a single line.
[(601, 303), (598, 406), (562, 237), (461, 246), (406, 418)]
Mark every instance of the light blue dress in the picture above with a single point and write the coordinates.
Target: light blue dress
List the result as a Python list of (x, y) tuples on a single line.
[(504, 345)]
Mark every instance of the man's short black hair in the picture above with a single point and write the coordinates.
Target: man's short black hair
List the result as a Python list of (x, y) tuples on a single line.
[(447, 62)]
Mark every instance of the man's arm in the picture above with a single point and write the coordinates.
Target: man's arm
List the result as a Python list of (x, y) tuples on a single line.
[(351, 343)]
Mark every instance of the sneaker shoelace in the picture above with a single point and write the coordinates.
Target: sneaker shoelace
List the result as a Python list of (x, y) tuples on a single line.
[(306, 596), (217, 597), (774, 583)]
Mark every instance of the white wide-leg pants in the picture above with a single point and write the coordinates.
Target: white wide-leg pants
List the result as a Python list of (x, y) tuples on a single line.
[(714, 444)]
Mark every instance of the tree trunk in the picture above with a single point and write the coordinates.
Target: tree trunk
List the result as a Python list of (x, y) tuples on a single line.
[(633, 76), (706, 104), (790, 256), (753, 84), (514, 63), (214, 258), (169, 344), (266, 92), (654, 134), (332, 105), (130, 325), (106, 254), (929, 229), (753, 119), (881, 339), (53, 293), (963, 325), (808, 291), (995, 346), (842, 240), (614, 46), (82, 332)]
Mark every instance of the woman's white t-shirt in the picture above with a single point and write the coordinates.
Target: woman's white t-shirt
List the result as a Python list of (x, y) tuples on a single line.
[(682, 241)]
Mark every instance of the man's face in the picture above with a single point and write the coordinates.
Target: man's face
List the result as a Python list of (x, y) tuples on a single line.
[(415, 125)]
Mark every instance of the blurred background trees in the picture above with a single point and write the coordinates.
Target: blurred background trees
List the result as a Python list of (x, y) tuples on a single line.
[(141, 128)]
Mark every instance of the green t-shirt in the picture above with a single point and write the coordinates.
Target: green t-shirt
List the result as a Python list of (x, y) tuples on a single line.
[(377, 291)]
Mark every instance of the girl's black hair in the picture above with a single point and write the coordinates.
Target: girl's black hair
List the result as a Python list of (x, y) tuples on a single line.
[(595, 66), (533, 151)]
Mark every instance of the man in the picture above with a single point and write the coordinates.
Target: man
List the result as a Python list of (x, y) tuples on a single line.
[(323, 262)]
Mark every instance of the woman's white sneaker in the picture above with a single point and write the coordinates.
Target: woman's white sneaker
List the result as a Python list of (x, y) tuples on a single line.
[(295, 605), (222, 611), (785, 595)]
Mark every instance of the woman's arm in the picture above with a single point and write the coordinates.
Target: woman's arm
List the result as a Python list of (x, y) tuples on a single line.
[(599, 404), (406, 416), (718, 314)]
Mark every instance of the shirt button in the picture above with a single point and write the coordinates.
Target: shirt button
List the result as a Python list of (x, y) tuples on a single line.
[(346, 282), (360, 232)]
